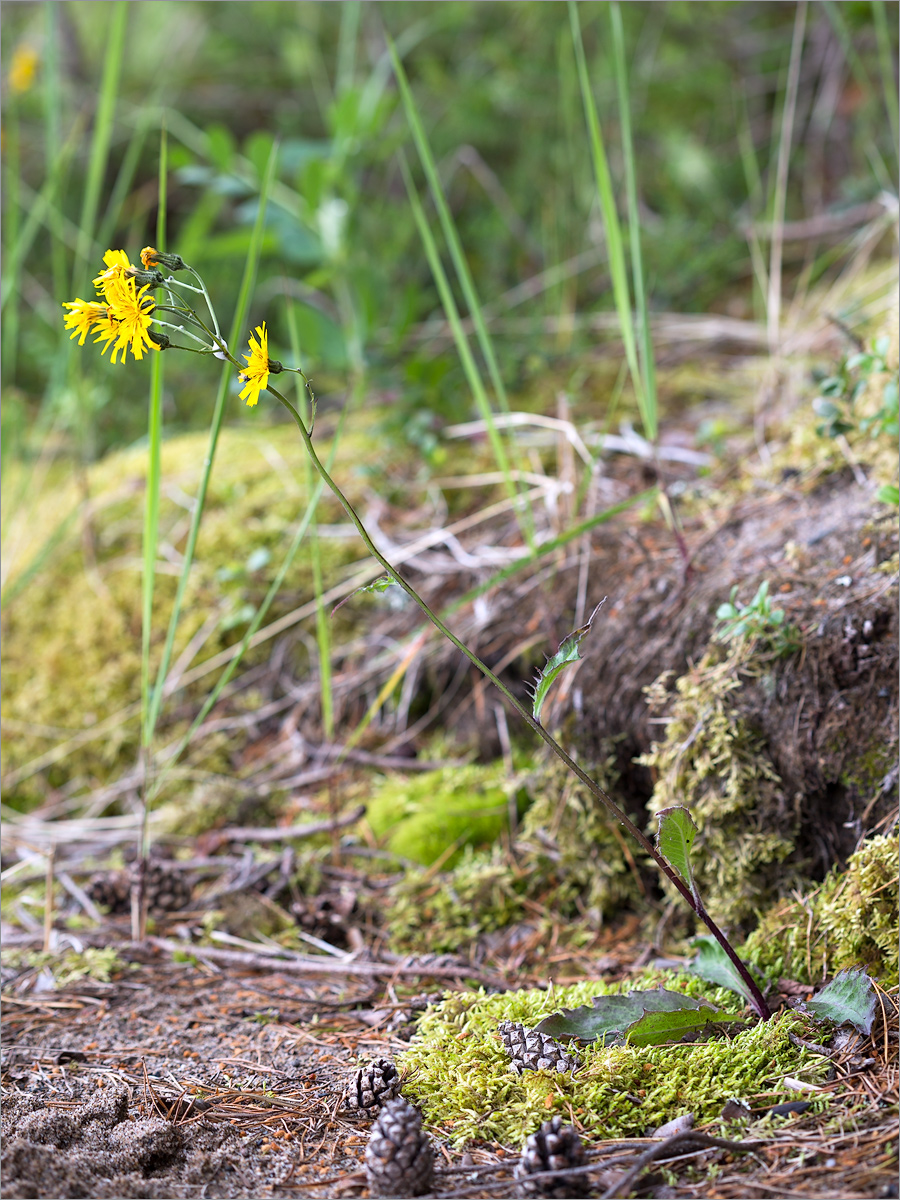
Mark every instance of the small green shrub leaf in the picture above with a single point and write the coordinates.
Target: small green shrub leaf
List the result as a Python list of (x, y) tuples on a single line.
[(848, 1000), (567, 654), (714, 965), (608, 1018), (888, 494), (674, 840), (657, 1028)]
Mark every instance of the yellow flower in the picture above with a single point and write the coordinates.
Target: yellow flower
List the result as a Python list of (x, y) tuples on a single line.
[(149, 257), (23, 68), (256, 376), (117, 269), (85, 315), (131, 313)]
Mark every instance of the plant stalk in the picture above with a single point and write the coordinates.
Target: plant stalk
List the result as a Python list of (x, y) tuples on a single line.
[(758, 1001)]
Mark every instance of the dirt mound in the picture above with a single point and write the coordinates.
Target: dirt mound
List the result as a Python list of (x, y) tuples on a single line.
[(96, 1148)]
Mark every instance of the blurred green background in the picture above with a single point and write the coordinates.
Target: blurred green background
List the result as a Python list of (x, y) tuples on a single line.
[(87, 86)]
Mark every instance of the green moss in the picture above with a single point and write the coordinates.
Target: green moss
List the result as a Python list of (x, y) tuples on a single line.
[(567, 862), (72, 633), (849, 921), (715, 764), (423, 817), (461, 1076)]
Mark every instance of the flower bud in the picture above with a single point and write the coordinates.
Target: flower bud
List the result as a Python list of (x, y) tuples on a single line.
[(150, 257), (158, 339)]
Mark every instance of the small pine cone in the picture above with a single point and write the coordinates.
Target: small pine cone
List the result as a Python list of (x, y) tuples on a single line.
[(167, 888), (533, 1051), (111, 890), (555, 1147), (373, 1086), (399, 1156)]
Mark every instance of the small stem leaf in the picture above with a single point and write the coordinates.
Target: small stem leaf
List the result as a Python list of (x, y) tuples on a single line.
[(714, 965), (567, 653), (674, 840), (848, 1000), (381, 584), (609, 1017)]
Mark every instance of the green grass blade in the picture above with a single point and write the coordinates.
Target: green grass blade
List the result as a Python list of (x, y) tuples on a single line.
[(154, 454), (614, 243), (461, 266), (306, 522), (103, 124), (323, 628), (649, 411), (11, 235), (237, 328), (886, 66), (462, 342)]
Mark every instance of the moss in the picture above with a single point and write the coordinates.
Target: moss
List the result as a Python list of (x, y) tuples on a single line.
[(73, 631), (461, 1076), (849, 921), (567, 861), (715, 764), (422, 818)]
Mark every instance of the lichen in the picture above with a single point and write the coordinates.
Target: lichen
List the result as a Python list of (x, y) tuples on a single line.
[(461, 1076), (850, 920), (713, 762)]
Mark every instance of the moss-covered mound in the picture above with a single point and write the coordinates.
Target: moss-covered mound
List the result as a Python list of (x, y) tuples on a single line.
[(461, 1075), (850, 921), (72, 605), (568, 866)]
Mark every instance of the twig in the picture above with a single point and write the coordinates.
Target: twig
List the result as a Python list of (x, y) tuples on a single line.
[(668, 1149), (249, 833), (296, 964), (48, 900)]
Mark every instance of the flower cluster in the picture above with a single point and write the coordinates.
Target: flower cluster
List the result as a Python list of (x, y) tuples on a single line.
[(122, 317)]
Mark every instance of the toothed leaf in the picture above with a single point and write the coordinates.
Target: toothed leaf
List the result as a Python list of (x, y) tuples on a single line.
[(674, 840), (714, 965), (609, 1017), (567, 654), (848, 1000)]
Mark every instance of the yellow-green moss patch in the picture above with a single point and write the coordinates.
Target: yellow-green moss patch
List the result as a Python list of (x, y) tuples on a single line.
[(851, 920), (461, 1076)]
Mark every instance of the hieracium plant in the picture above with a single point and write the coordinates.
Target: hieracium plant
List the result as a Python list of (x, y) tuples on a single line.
[(142, 308)]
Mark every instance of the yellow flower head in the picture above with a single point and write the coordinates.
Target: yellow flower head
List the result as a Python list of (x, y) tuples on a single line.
[(117, 270), (23, 68), (86, 315), (131, 313), (149, 257), (256, 375)]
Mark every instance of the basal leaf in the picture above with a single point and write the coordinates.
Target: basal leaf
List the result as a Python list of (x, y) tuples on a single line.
[(714, 965), (567, 654), (608, 1017), (656, 1028), (848, 1000), (674, 840)]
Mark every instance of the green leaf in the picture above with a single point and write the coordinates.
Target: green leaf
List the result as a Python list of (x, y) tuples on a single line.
[(848, 1000), (714, 965), (674, 840), (610, 1017), (381, 584), (567, 654), (889, 494), (656, 1028)]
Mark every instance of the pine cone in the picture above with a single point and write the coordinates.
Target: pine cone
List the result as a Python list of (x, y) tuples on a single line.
[(399, 1156), (373, 1086), (555, 1147), (533, 1051), (111, 890), (167, 888)]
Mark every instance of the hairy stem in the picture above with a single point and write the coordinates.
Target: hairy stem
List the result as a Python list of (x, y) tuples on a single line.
[(758, 1001)]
